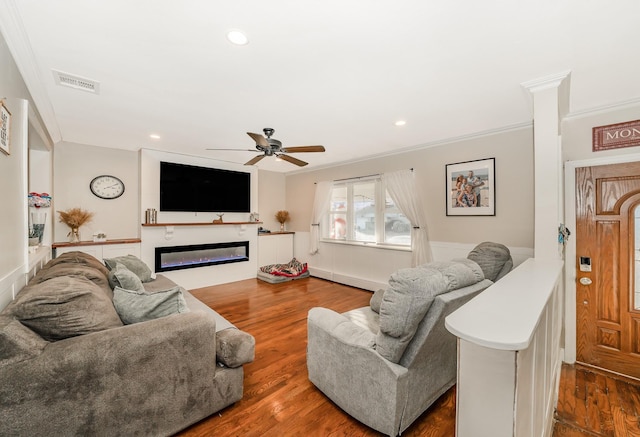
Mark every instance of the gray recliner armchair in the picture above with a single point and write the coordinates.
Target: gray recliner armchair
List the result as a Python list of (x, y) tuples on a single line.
[(385, 364)]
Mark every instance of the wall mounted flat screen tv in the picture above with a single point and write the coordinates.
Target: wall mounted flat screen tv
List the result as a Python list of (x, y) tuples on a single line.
[(201, 189)]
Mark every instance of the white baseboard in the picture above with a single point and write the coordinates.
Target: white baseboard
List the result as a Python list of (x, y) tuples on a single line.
[(352, 281)]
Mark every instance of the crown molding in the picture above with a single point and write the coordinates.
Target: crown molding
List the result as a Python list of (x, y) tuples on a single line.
[(603, 109), (438, 143), (19, 45), (547, 82)]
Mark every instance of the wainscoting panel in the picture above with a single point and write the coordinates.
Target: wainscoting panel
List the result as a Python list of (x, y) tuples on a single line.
[(11, 284), (370, 267)]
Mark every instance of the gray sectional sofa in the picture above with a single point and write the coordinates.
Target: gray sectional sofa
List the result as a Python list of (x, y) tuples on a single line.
[(70, 366)]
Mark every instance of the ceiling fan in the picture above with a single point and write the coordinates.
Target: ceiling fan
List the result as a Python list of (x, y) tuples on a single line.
[(270, 147)]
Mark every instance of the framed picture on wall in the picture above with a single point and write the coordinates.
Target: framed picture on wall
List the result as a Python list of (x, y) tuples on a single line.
[(471, 187), (5, 123)]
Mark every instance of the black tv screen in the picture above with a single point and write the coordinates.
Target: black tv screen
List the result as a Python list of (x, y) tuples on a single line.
[(202, 189)]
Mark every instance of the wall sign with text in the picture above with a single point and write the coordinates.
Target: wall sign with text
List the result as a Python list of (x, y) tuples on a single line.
[(616, 136)]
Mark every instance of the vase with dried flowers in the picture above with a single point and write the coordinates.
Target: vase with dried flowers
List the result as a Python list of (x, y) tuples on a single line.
[(282, 217), (74, 218)]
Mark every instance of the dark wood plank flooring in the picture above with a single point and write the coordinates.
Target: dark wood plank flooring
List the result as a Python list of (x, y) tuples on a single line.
[(279, 400)]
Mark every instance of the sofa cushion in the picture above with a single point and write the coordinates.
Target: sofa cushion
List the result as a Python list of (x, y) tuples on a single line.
[(138, 306), (91, 273), (64, 306), (122, 277), (133, 263), (17, 342), (409, 297), (493, 258), (77, 258)]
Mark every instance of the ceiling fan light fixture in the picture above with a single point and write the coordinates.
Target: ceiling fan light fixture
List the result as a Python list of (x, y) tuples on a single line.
[(237, 37)]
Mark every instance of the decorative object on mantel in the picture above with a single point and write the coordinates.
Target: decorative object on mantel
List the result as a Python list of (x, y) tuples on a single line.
[(38, 218), (5, 124), (99, 237), (151, 216), (282, 217), (74, 218), (219, 219)]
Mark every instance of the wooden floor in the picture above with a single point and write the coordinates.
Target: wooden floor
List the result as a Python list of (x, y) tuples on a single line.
[(595, 403), (279, 400)]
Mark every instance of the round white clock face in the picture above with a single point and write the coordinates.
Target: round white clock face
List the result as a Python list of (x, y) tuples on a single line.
[(107, 187)]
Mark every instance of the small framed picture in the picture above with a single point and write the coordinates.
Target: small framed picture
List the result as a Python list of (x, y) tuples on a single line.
[(5, 125), (471, 187)]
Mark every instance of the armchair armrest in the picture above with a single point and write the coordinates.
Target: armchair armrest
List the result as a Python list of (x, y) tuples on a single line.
[(343, 363)]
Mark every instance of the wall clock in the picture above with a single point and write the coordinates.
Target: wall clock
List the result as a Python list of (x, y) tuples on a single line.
[(107, 187)]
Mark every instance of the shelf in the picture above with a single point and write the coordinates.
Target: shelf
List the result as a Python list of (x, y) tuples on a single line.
[(96, 243), (264, 234), (199, 224)]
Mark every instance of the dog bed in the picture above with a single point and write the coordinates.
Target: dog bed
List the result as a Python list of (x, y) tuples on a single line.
[(275, 279), (276, 273)]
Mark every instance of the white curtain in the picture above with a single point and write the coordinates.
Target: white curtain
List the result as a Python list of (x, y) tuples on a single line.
[(402, 188), (320, 208)]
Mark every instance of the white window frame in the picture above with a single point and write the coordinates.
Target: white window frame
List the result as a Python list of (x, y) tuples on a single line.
[(380, 202)]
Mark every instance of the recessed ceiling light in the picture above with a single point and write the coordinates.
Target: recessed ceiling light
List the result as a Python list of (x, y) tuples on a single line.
[(400, 123), (237, 37), (154, 136)]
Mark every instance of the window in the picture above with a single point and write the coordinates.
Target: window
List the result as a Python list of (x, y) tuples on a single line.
[(362, 211)]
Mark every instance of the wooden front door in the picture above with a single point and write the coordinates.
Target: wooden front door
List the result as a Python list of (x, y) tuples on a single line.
[(608, 323)]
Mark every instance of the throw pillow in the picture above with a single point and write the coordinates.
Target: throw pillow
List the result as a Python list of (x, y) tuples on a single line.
[(122, 277), (133, 263), (139, 306), (493, 258), (376, 300), (64, 307)]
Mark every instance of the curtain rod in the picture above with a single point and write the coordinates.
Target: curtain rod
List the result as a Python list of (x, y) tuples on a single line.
[(362, 177), (359, 177)]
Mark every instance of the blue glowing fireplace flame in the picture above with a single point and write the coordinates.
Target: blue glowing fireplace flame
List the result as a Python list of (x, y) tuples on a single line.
[(200, 255)]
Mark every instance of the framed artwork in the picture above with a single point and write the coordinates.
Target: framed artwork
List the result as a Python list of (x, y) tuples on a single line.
[(5, 123), (471, 187)]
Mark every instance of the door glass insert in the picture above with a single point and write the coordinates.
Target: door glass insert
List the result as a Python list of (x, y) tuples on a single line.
[(636, 258)]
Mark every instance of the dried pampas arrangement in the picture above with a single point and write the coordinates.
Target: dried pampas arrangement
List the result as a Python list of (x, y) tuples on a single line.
[(74, 218), (282, 216)]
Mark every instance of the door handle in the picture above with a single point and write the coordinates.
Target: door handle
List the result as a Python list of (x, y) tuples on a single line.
[(585, 281)]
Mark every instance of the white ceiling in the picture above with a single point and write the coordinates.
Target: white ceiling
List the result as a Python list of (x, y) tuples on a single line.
[(332, 72)]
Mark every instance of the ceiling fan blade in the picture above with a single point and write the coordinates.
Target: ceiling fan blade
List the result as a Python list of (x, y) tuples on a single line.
[(236, 150), (300, 149), (293, 160), (254, 160), (259, 139)]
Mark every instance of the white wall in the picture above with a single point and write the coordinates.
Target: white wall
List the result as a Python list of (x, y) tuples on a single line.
[(271, 198), (368, 267), (75, 165), (13, 179)]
